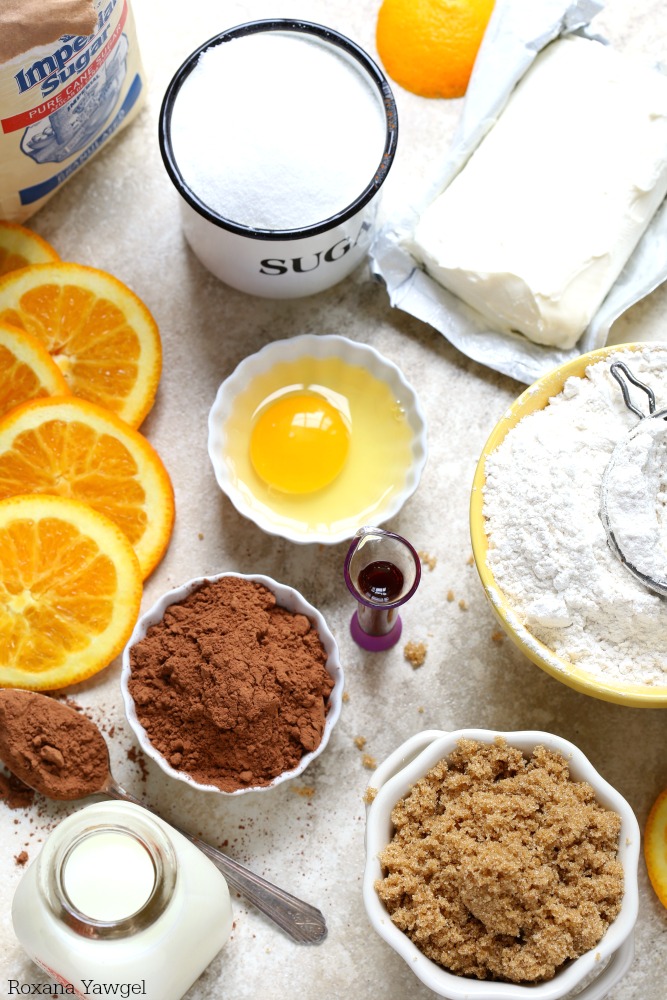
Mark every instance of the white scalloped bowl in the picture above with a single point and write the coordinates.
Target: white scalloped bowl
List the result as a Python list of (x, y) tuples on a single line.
[(393, 779), (286, 597), (252, 498)]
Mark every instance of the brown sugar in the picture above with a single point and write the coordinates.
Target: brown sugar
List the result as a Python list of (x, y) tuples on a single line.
[(305, 791), (415, 653), (502, 867)]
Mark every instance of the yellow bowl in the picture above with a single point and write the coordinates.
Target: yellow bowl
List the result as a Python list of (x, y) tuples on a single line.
[(535, 398)]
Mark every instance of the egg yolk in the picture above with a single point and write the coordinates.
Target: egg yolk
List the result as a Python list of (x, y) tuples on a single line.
[(299, 443)]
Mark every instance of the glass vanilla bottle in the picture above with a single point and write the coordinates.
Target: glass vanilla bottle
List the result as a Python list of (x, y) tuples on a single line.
[(118, 897)]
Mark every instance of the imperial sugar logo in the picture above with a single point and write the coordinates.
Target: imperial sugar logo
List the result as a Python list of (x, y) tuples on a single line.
[(71, 57)]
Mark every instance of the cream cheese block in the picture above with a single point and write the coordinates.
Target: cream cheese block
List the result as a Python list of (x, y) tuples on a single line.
[(539, 223)]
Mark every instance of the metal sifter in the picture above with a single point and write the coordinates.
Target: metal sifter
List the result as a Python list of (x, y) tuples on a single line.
[(633, 492)]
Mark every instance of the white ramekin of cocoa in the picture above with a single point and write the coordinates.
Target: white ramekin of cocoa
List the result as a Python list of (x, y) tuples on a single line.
[(501, 866), (232, 683)]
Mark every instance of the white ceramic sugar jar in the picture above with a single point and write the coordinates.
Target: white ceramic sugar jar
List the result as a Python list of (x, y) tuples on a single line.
[(117, 896), (279, 194)]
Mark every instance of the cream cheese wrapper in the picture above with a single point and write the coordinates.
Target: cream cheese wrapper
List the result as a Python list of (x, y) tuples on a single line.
[(591, 261), (537, 226), (60, 103)]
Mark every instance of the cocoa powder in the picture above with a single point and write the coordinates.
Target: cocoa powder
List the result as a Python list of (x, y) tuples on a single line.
[(50, 746), (14, 793), (231, 688)]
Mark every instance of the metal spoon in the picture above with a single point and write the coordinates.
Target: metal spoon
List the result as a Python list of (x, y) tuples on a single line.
[(641, 452), (301, 921)]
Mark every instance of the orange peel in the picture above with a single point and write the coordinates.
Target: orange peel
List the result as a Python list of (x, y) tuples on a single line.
[(429, 47), (655, 846)]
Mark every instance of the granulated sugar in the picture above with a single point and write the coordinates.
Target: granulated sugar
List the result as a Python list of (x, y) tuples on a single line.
[(548, 549), (276, 131)]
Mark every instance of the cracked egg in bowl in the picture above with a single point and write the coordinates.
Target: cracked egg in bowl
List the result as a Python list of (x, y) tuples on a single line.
[(316, 435)]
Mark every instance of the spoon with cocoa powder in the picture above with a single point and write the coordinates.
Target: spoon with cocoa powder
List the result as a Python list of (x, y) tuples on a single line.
[(62, 754)]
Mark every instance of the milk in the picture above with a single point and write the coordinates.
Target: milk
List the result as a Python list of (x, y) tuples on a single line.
[(109, 875), (118, 898)]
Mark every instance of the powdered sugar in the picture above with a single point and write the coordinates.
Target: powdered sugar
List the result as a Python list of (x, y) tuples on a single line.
[(634, 492), (548, 549)]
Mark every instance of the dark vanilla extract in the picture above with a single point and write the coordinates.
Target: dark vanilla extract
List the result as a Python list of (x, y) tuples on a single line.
[(380, 581)]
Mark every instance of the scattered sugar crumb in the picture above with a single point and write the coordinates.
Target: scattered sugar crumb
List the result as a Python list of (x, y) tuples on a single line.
[(463, 606), (415, 653), (470, 561), (306, 791), (421, 709), (427, 559), (200, 536), (369, 762), (450, 595), (497, 636), (360, 742), (346, 696), (370, 794)]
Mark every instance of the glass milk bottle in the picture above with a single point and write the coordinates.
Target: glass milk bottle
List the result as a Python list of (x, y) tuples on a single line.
[(117, 896)]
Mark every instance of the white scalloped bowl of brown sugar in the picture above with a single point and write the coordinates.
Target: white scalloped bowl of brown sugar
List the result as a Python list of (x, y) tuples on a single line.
[(508, 859), (232, 683)]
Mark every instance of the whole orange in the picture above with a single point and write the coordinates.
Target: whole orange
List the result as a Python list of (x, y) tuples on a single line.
[(429, 46)]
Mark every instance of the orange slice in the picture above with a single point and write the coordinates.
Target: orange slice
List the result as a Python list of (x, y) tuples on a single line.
[(70, 591), (100, 334), (20, 247), (67, 446), (27, 370), (655, 846)]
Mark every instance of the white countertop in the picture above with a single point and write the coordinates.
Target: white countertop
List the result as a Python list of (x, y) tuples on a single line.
[(120, 214)]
